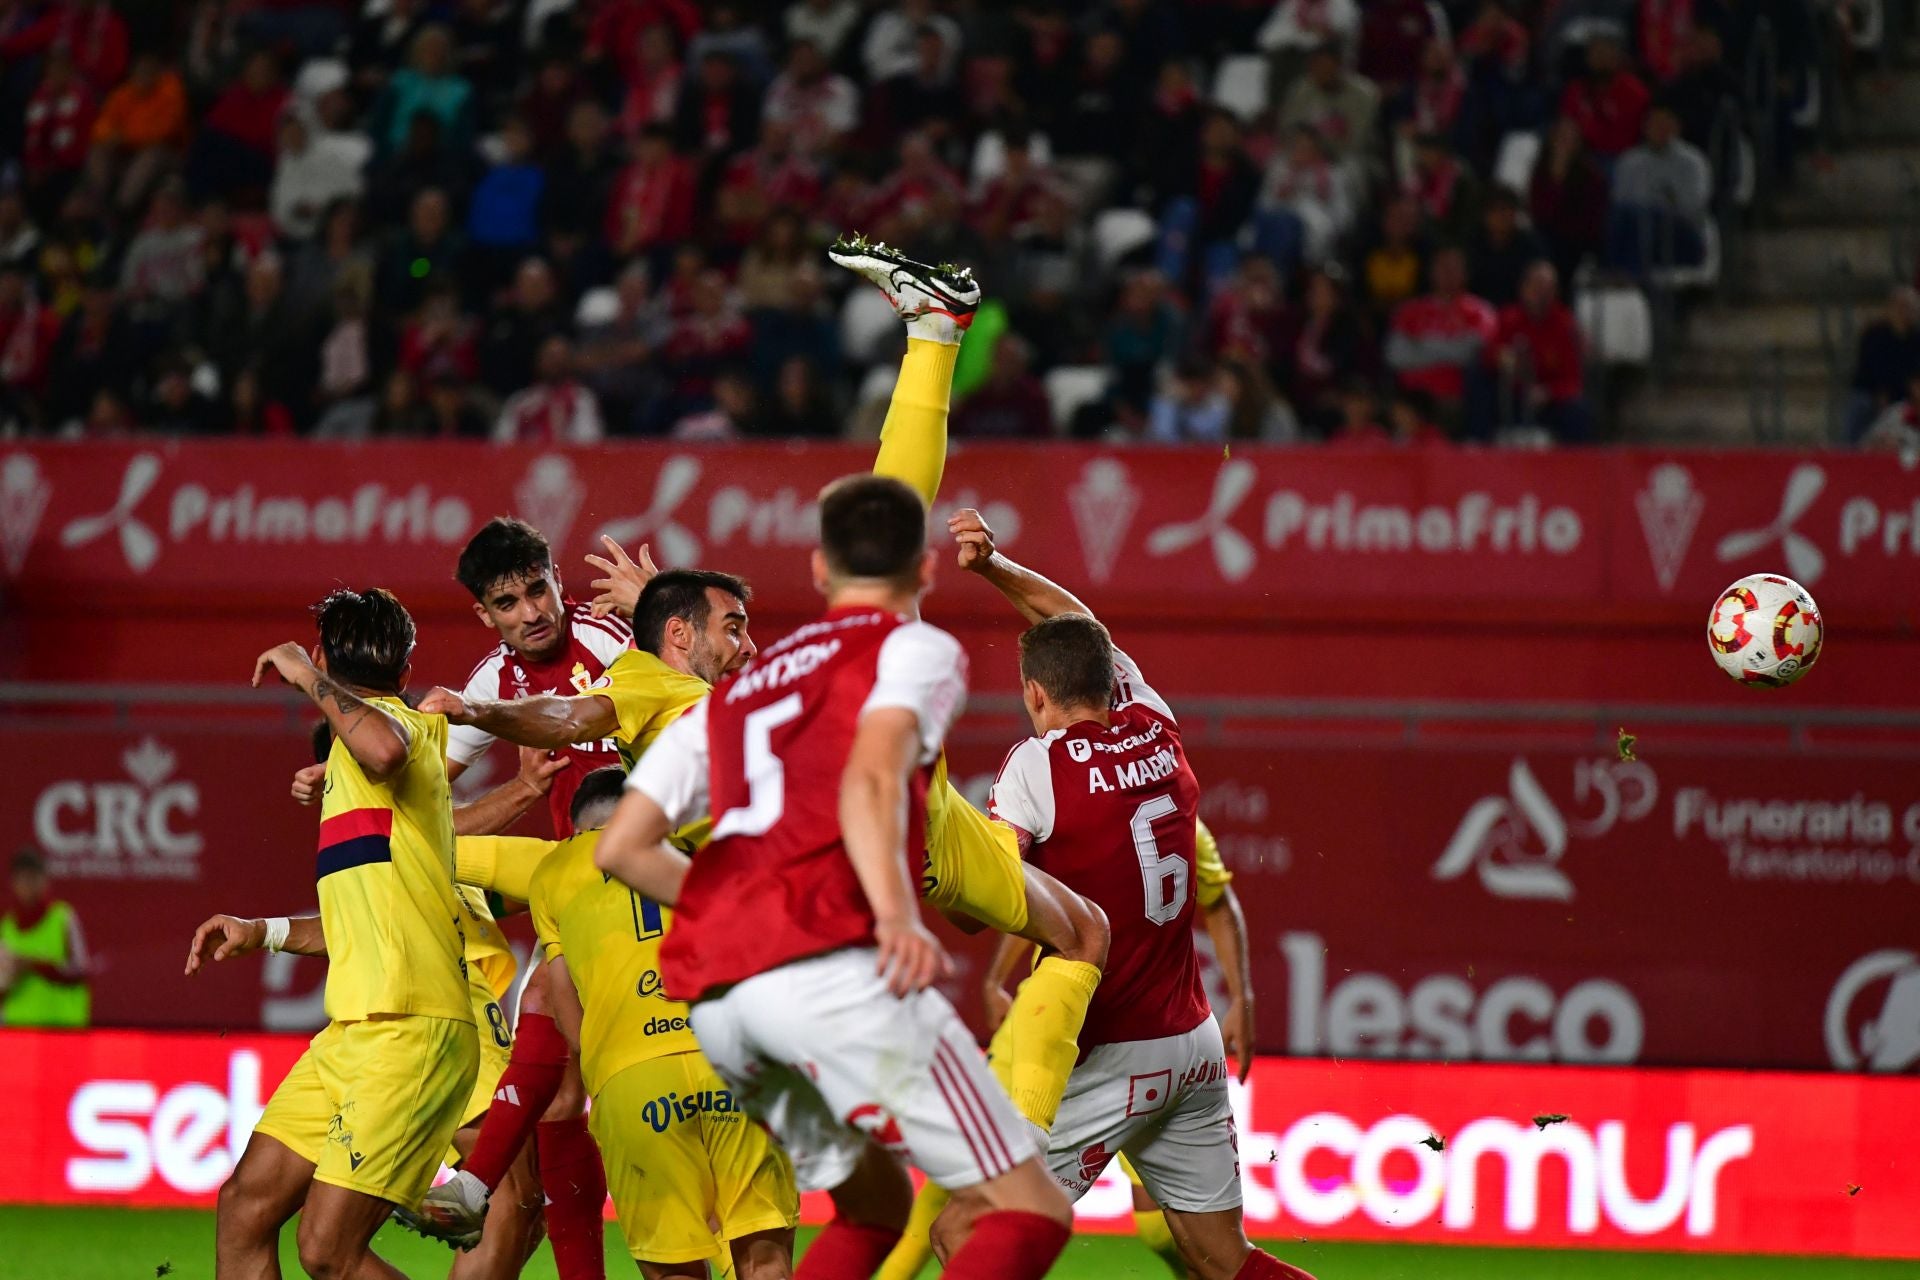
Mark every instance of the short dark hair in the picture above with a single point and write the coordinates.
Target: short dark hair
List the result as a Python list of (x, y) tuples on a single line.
[(1070, 655), (601, 785), (366, 637), (29, 860), (505, 550), (679, 593), (872, 527)]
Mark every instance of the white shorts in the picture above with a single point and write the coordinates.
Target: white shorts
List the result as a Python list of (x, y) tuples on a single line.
[(826, 1057), (1164, 1103)]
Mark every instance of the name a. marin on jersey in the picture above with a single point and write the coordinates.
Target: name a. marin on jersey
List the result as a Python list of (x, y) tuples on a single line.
[(1129, 774), (782, 668), (672, 1107)]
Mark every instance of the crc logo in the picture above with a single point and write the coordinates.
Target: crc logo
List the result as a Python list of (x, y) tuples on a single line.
[(1888, 1039), (130, 1131), (1513, 1019), (1516, 841), (140, 829)]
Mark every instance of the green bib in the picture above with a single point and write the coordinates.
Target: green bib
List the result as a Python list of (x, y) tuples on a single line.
[(35, 1001)]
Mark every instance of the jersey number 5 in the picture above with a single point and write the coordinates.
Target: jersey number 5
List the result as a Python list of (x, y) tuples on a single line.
[(766, 773), (1165, 875)]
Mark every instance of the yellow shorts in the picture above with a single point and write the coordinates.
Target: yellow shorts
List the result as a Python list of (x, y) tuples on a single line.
[(679, 1154), (973, 862), (374, 1104), (496, 1046)]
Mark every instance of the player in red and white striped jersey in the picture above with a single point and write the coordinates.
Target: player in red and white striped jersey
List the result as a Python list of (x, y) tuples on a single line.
[(1103, 798), (548, 644)]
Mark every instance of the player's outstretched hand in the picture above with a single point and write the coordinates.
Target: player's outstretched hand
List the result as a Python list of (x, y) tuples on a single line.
[(308, 783), (911, 958), (289, 661), (975, 539), (537, 767), (1236, 1028), (223, 936), (443, 702), (620, 589)]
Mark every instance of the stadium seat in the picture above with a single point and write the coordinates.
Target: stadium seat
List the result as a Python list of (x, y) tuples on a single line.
[(597, 307), (1513, 167), (1617, 323), (1118, 232), (990, 157), (867, 322), (1743, 173), (1072, 387), (1240, 85), (1704, 276)]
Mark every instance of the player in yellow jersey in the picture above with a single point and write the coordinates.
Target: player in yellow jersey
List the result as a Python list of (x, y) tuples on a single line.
[(693, 1179), (514, 1232), (513, 1228), (361, 1122)]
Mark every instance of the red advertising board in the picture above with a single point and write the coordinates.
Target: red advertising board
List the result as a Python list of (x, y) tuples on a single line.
[(124, 552), (1720, 1162), (1696, 907)]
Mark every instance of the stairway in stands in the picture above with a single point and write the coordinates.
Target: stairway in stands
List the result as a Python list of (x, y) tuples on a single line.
[(1760, 361)]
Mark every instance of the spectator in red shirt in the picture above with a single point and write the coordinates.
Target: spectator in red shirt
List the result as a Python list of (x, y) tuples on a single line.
[(1010, 404), (774, 175), (653, 87), (94, 36), (719, 113), (905, 194), (1435, 339), (1392, 34), (616, 28), (28, 331), (817, 103), (1011, 206), (59, 130), (1609, 102), (438, 343), (652, 203), (710, 336), (1568, 199), (1537, 353), (234, 151)]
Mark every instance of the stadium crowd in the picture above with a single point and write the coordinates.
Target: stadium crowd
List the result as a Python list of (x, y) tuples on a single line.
[(569, 219)]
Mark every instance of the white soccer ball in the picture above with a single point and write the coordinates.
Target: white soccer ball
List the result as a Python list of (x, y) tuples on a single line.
[(1765, 630)]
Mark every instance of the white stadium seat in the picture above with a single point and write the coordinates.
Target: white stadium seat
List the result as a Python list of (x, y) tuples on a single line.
[(1513, 167), (1618, 324), (1072, 387), (1704, 276), (867, 323), (1240, 85), (1118, 232)]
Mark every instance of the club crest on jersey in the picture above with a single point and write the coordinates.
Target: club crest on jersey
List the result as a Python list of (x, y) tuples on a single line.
[(1080, 749), (581, 679)]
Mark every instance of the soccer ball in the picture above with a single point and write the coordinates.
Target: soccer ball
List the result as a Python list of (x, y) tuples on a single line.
[(1765, 630)]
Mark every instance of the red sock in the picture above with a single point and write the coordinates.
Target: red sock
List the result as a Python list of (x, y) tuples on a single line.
[(1264, 1266), (576, 1188), (1008, 1245), (846, 1250), (534, 1071)]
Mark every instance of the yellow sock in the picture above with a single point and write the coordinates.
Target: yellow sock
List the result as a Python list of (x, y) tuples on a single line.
[(1151, 1226), (916, 1243), (1048, 1012), (913, 441)]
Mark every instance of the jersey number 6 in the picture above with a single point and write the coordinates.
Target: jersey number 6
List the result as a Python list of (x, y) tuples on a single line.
[(1165, 875)]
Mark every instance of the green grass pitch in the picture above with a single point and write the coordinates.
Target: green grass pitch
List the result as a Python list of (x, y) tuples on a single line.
[(135, 1244)]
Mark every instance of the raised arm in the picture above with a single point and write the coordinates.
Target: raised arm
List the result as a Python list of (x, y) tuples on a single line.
[(1036, 597), (501, 807), (377, 740), (548, 721)]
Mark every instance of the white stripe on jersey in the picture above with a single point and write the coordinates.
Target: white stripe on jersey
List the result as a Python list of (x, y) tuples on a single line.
[(605, 638)]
